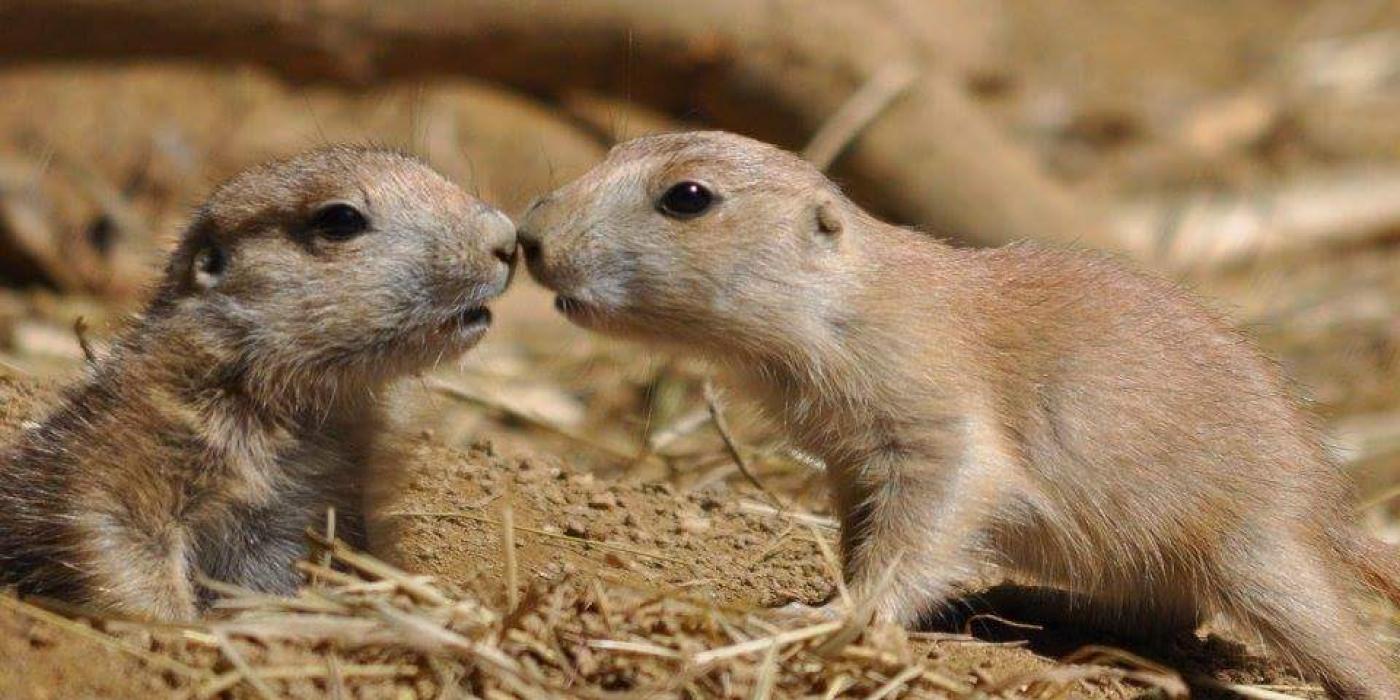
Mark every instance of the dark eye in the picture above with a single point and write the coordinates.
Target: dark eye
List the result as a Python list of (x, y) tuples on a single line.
[(338, 221), (686, 200), (212, 261)]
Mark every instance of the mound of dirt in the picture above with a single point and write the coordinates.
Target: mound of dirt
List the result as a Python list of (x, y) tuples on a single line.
[(685, 573)]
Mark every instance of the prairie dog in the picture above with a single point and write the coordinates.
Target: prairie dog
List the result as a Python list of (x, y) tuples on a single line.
[(1044, 410), (245, 399)]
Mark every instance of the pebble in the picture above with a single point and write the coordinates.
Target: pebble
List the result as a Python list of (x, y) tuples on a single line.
[(603, 500)]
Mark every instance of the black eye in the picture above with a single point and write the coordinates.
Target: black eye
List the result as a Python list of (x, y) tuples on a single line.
[(338, 221), (685, 200), (212, 261)]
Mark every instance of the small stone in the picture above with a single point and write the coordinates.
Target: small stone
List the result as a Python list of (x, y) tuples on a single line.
[(574, 528), (615, 560), (694, 524), (603, 500)]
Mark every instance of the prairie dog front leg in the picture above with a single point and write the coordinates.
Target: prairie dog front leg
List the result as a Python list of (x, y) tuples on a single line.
[(912, 525), (144, 572)]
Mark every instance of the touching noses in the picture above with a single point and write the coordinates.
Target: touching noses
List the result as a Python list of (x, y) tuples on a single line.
[(528, 232), (500, 236), (529, 243)]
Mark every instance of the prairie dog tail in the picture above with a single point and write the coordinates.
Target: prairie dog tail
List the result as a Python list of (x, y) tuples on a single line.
[(1378, 563)]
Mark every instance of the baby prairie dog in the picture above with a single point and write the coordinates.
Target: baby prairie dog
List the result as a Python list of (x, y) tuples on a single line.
[(245, 400), (1045, 410)]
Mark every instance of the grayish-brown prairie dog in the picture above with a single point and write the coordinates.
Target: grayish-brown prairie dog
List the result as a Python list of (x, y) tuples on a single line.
[(247, 397), (1045, 410)]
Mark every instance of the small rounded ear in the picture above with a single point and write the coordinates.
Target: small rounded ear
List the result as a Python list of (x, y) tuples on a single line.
[(830, 220), (209, 265)]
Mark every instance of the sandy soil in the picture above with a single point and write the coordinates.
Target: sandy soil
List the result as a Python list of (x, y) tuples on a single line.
[(710, 545)]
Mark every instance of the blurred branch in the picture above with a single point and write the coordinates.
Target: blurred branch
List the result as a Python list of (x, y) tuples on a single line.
[(863, 107), (610, 120), (712, 400), (80, 329), (34, 248), (1369, 446), (30, 250), (1214, 229), (778, 72), (472, 396), (681, 427), (12, 368)]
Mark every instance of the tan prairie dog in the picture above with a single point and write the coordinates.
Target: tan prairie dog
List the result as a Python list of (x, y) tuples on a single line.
[(1045, 410), (245, 400)]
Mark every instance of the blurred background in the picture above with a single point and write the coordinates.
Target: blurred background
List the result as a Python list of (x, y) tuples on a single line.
[(1249, 148)]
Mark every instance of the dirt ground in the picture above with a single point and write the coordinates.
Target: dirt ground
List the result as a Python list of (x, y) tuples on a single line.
[(623, 544), (718, 545)]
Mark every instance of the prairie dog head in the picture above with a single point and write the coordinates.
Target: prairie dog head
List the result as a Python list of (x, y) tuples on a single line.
[(704, 238), (339, 266)]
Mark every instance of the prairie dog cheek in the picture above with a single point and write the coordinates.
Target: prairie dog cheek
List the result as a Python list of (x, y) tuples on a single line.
[(643, 276)]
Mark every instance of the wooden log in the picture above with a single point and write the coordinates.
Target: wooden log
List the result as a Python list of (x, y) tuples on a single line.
[(773, 70), (1214, 229)]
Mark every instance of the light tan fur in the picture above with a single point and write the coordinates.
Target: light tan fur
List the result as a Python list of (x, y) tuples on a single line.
[(1046, 410), (246, 400)]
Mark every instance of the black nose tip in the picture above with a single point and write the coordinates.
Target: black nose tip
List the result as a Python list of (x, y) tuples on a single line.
[(530, 246)]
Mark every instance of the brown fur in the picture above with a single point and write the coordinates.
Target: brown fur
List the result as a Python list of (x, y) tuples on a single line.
[(1045, 410), (246, 399)]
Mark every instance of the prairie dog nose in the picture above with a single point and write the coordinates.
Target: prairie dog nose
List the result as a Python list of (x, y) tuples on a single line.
[(500, 235), (529, 244), (530, 226)]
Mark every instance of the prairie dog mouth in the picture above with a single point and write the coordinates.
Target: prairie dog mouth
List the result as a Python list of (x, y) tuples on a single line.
[(470, 320), (476, 315)]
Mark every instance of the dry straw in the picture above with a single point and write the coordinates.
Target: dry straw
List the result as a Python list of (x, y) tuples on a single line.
[(364, 625)]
